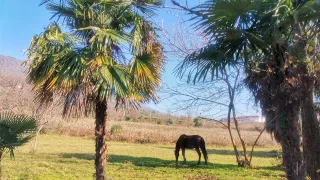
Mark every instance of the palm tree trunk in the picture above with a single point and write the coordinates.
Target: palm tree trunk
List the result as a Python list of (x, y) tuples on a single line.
[(310, 130), (0, 165), (292, 156), (100, 133)]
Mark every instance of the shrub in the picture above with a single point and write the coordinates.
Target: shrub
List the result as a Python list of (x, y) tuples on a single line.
[(115, 129), (169, 122), (144, 141), (128, 118), (197, 122)]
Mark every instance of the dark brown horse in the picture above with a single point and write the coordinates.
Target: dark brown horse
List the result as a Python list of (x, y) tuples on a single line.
[(189, 142)]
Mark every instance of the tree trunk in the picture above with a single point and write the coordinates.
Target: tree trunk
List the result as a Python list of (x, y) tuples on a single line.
[(310, 131), (100, 133), (292, 156), (245, 162), (36, 138), (0, 165), (230, 134)]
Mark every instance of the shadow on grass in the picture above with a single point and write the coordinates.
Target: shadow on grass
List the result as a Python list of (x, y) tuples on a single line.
[(152, 162), (78, 156), (157, 162), (148, 161), (261, 154)]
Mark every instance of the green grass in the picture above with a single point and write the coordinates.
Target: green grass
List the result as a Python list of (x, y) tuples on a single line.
[(64, 157)]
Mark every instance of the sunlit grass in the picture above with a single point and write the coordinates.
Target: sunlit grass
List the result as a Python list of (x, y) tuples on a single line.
[(64, 157)]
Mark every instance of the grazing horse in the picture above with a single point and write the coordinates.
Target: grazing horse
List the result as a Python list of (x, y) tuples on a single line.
[(189, 142)]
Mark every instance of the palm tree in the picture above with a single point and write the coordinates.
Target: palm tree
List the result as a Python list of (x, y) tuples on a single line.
[(110, 51), (15, 130), (258, 34)]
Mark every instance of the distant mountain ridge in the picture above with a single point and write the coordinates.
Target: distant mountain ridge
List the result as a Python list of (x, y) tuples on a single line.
[(10, 66)]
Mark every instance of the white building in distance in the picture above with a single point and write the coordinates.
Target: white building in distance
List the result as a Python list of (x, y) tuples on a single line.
[(243, 119)]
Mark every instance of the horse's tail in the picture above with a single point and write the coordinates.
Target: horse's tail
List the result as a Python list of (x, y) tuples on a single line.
[(203, 148)]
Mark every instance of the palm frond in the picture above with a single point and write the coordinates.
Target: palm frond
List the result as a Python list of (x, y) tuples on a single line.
[(15, 130), (88, 63), (145, 71), (111, 77), (237, 28)]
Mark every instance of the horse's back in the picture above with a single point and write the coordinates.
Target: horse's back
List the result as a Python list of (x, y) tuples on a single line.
[(190, 141), (190, 136)]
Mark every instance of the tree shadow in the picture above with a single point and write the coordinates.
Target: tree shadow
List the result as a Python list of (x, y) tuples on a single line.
[(152, 162), (261, 154), (148, 161), (157, 162), (271, 168), (82, 156)]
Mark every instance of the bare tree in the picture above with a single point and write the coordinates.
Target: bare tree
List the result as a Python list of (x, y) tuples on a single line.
[(209, 94), (218, 93), (43, 116)]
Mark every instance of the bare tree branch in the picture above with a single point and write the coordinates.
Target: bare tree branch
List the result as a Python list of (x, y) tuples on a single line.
[(256, 141), (209, 119), (188, 9)]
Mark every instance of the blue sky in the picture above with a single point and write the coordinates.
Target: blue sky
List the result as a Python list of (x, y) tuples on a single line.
[(20, 20)]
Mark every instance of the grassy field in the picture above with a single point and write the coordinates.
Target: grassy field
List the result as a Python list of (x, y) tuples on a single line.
[(65, 157)]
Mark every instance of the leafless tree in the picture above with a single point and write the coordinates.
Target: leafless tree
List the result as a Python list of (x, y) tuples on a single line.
[(219, 93), (43, 116)]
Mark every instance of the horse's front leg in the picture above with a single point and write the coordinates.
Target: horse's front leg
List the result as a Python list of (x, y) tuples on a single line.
[(177, 160), (184, 155), (199, 154), (176, 153)]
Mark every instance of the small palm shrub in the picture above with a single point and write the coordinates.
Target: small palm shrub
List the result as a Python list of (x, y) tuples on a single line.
[(15, 130)]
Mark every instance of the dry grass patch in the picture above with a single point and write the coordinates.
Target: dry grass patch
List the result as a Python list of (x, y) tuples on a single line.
[(143, 132)]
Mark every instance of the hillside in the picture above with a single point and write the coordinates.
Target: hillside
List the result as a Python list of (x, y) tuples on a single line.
[(15, 93), (10, 66)]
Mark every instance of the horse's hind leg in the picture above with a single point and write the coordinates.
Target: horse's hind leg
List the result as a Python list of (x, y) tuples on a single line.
[(199, 154), (204, 151), (205, 155), (184, 155)]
